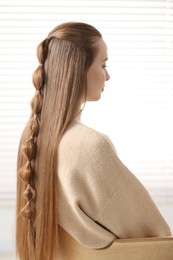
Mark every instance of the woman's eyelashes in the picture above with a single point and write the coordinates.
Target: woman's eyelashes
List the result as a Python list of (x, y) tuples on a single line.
[(104, 66)]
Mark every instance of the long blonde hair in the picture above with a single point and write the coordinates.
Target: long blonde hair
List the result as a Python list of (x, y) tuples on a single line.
[(60, 82)]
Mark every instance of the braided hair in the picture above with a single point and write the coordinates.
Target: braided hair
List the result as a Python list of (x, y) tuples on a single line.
[(28, 150), (60, 82), (28, 147)]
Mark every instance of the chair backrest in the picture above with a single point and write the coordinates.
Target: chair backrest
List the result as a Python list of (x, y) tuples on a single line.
[(159, 248)]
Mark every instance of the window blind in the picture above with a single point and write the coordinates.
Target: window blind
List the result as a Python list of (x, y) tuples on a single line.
[(136, 108)]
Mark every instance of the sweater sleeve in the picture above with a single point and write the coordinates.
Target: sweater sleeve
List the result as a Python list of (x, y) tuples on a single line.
[(100, 199), (130, 211)]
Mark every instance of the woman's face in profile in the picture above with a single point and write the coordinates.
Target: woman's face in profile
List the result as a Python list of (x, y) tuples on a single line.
[(97, 73)]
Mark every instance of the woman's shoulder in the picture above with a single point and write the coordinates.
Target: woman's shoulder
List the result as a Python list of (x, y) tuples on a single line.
[(83, 135)]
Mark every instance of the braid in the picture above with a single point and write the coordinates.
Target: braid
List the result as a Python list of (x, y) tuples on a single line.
[(29, 146)]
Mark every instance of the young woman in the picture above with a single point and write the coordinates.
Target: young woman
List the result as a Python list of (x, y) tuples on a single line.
[(68, 173)]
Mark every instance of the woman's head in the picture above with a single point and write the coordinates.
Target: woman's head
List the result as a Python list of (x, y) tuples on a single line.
[(71, 49), (68, 60)]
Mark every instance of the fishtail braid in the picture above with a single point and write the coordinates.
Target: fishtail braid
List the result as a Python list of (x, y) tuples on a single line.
[(29, 146)]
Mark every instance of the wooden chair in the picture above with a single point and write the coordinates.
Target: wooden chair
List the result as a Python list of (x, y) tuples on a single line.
[(159, 248)]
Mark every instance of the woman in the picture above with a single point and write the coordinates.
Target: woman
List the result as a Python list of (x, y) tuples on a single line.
[(68, 173)]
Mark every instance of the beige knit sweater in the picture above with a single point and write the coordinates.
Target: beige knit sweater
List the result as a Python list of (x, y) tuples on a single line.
[(99, 198)]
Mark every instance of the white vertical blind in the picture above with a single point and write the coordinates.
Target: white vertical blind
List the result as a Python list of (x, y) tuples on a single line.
[(136, 109)]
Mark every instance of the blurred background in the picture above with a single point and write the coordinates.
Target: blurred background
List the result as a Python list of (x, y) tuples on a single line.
[(136, 108)]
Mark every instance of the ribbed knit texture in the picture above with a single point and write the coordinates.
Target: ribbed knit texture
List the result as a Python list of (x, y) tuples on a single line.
[(99, 198)]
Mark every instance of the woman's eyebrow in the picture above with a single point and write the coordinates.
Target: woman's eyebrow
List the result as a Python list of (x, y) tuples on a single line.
[(105, 59)]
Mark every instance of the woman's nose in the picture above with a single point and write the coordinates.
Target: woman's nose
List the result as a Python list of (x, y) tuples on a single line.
[(107, 76)]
